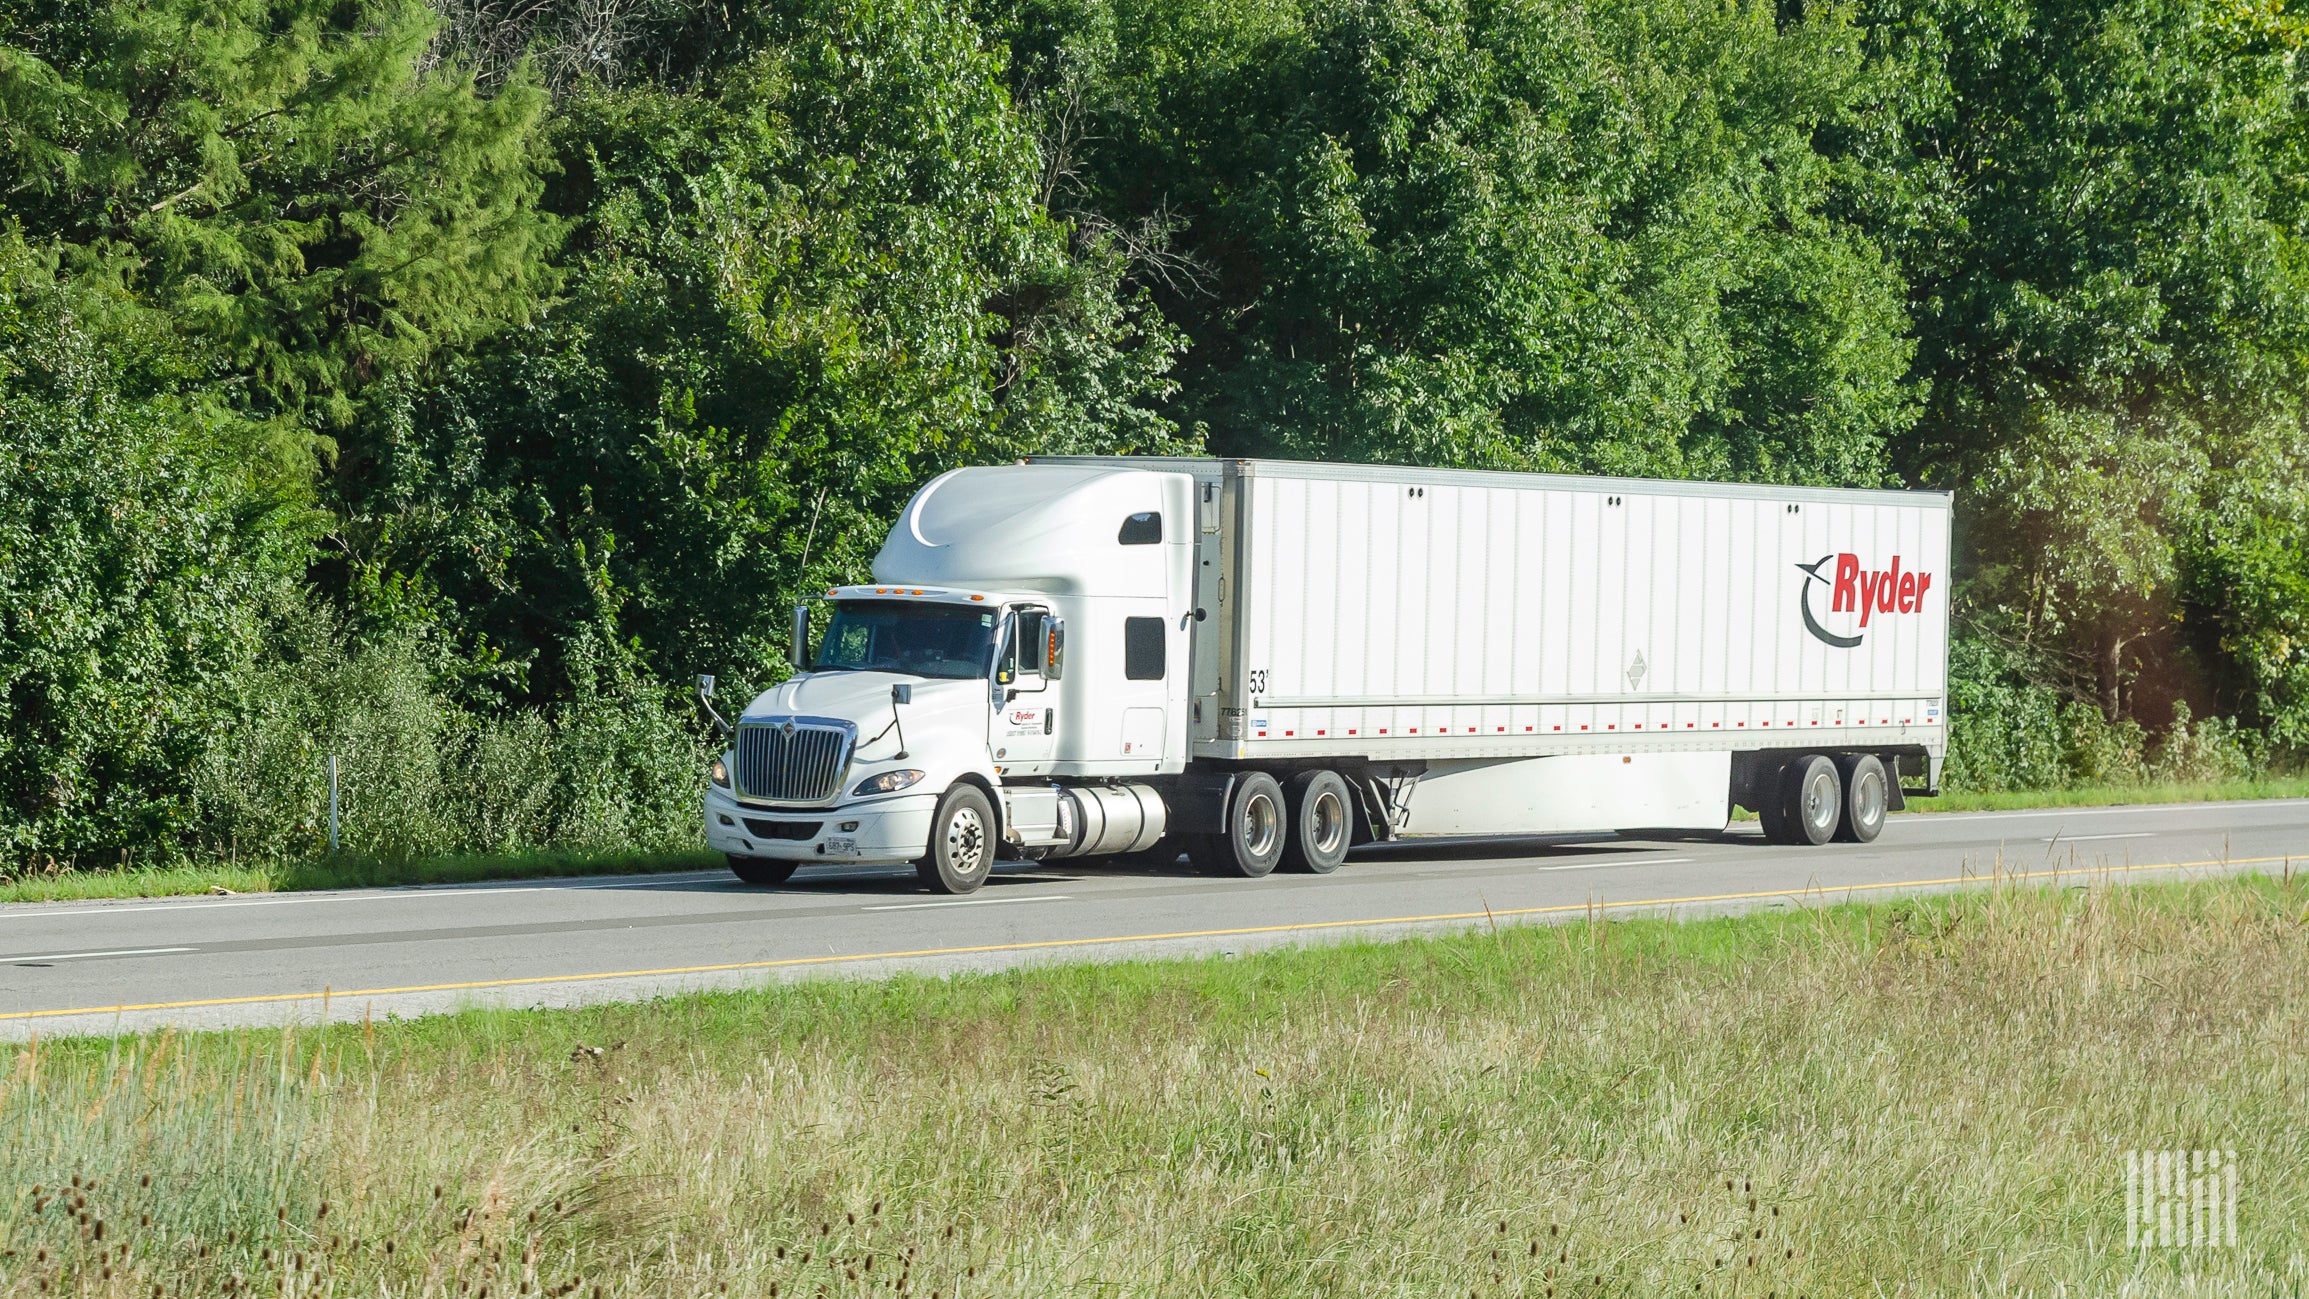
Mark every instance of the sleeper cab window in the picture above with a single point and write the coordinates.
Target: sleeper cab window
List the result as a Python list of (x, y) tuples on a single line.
[(1142, 649), (1142, 529)]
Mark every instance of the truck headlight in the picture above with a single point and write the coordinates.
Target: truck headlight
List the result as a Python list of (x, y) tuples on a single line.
[(889, 782), (721, 772)]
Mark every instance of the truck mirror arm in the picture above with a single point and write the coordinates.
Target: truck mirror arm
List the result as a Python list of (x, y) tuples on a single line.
[(706, 701), (899, 694)]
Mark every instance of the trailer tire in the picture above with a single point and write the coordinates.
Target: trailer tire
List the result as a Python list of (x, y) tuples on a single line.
[(1865, 798), (1813, 801), (762, 871), (962, 842), (1772, 804), (1256, 829), (1322, 822)]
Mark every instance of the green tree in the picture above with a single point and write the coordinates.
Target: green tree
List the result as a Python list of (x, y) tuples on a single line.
[(140, 565), (1507, 234), (298, 181), (797, 290), (2097, 205)]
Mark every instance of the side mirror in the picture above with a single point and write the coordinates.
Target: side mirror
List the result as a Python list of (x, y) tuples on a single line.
[(901, 694), (706, 699), (799, 649), (1054, 648)]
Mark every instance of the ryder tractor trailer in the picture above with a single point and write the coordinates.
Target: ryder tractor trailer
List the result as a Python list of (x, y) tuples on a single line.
[(1265, 663)]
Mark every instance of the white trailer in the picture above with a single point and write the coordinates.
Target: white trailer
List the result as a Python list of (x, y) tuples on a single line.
[(1266, 662)]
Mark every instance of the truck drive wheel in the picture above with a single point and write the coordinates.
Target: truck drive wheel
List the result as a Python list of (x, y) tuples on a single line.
[(962, 842), (761, 870), (1256, 830), (1865, 798), (1321, 826), (1814, 799)]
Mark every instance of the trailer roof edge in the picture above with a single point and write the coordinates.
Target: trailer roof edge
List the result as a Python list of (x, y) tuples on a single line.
[(1215, 466)]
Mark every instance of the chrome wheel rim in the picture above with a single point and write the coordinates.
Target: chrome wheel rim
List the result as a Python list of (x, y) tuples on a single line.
[(1261, 827), (1329, 824), (1820, 800), (966, 841), (1867, 800)]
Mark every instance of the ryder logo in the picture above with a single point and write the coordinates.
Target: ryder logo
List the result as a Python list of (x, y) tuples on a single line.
[(1854, 589)]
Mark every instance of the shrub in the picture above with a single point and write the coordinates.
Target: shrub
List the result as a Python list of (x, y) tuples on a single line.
[(617, 768)]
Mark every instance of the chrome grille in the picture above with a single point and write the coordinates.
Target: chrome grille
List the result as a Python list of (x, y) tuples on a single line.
[(792, 761)]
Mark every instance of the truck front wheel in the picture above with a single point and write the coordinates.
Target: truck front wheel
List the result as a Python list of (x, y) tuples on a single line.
[(761, 871), (1256, 829), (962, 841)]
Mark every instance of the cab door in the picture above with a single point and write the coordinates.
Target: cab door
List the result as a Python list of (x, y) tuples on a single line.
[(1024, 729)]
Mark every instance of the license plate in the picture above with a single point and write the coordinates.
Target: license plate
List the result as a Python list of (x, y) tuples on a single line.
[(841, 845)]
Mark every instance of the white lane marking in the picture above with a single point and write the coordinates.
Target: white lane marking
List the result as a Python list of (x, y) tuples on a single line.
[(76, 956), (969, 902), (2080, 838), (1607, 865), (85, 907)]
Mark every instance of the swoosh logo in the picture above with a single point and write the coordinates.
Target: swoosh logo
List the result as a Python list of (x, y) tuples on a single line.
[(1811, 574)]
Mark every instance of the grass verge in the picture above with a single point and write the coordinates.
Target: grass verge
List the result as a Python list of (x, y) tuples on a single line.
[(2113, 795), (1930, 1097), (340, 873)]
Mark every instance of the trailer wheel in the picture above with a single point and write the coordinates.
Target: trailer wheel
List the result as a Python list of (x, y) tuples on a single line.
[(1814, 799), (962, 840), (1772, 805), (761, 871), (1865, 799), (1256, 831), (1321, 825)]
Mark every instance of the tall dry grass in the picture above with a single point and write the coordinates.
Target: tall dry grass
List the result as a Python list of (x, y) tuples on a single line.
[(1925, 1099)]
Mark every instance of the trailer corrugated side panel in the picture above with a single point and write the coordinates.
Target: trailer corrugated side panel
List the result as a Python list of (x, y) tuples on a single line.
[(1425, 614)]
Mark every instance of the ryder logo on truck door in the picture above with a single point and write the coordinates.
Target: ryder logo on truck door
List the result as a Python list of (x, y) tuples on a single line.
[(1858, 595)]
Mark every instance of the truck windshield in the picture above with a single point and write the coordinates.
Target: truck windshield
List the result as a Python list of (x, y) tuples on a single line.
[(926, 640)]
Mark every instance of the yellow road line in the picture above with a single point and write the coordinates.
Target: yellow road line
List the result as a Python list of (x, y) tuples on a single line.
[(1590, 907)]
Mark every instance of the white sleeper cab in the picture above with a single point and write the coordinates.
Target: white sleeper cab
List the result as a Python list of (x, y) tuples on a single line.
[(1264, 663)]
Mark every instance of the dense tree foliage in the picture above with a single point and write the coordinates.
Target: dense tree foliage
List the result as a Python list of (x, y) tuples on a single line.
[(1592, 238), (439, 384), (791, 296), (2099, 209)]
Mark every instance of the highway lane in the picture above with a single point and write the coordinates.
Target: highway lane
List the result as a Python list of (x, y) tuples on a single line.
[(261, 959)]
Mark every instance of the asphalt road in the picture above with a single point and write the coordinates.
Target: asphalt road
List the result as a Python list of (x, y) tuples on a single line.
[(105, 967)]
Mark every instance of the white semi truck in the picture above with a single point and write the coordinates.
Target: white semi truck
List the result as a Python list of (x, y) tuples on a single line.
[(1264, 663)]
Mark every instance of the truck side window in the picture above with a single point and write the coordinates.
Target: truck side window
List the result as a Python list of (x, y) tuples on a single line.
[(1032, 641), (1142, 649), (1143, 529)]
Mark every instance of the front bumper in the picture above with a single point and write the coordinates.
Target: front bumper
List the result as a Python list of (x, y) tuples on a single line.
[(886, 830)]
